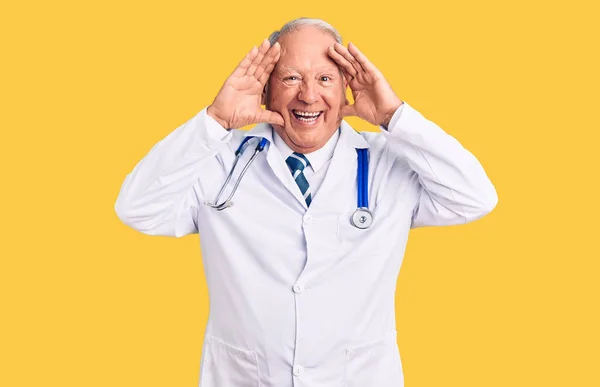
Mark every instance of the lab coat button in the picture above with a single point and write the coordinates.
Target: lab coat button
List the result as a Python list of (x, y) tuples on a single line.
[(307, 219), (298, 288), (297, 370)]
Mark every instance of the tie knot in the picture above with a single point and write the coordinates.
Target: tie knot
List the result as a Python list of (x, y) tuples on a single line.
[(297, 162)]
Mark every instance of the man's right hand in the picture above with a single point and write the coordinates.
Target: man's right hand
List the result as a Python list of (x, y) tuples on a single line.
[(238, 103)]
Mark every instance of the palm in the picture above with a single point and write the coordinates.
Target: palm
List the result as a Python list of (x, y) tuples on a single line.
[(374, 99), (240, 97), (239, 101), (367, 93)]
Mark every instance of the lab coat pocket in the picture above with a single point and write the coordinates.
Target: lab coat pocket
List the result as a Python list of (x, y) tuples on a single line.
[(357, 241), (374, 364), (228, 366)]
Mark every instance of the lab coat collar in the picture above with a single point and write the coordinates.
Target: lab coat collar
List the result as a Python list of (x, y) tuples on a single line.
[(351, 138), (276, 161), (343, 156), (261, 130)]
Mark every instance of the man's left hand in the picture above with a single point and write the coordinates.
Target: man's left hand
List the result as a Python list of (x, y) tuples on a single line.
[(374, 99)]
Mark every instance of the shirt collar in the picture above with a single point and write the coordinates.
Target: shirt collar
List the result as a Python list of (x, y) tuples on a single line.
[(317, 158)]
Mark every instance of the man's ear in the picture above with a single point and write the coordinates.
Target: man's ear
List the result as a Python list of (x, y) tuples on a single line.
[(263, 96), (345, 91)]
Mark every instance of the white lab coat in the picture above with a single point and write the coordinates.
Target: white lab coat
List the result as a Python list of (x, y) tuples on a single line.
[(300, 297)]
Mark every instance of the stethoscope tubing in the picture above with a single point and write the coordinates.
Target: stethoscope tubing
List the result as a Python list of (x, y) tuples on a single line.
[(238, 153), (362, 217), (363, 197)]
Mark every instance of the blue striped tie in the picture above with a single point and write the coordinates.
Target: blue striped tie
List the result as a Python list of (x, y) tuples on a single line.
[(297, 162)]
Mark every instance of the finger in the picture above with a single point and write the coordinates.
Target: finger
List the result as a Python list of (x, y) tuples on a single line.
[(342, 62), (349, 77), (262, 50), (271, 117), (246, 62), (267, 73), (361, 58), (270, 58), (348, 56), (349, 110)]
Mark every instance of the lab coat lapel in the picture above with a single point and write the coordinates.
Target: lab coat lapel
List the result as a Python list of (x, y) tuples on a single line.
[(343, 168), (277, 163)]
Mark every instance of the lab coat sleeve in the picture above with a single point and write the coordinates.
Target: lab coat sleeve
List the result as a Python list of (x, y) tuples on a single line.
[(453, 186), (160, 195)]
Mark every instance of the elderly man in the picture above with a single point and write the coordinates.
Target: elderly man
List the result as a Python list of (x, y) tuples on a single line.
[(302, 265)]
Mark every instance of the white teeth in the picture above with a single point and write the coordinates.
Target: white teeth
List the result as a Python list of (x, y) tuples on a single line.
[(304, 119), (307, 114)]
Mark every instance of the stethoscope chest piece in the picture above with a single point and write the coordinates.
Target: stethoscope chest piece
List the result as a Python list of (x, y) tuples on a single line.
[(362, 218)]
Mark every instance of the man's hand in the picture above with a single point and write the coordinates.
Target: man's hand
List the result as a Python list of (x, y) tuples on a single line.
[(374, 99), (238, 103)]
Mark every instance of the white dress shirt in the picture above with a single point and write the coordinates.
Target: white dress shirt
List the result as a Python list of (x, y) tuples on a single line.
[(318, 160)]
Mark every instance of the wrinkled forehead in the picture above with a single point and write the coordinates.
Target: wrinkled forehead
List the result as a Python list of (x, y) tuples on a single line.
[(306, 50)]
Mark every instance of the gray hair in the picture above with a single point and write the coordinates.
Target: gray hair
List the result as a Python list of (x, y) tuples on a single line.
[(295, 24)]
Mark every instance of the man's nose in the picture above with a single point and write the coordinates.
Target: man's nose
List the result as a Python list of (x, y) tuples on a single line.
[(308, 92)]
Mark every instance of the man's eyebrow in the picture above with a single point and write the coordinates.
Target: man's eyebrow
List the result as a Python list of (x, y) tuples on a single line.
[(284, 68)]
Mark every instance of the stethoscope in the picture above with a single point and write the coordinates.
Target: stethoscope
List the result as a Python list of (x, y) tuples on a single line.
[(361, 218)]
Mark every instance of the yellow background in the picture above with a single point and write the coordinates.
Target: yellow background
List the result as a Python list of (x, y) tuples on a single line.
[(87, 88)]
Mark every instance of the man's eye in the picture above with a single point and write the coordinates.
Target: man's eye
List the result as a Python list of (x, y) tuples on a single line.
[(292, 78), (325, 78)]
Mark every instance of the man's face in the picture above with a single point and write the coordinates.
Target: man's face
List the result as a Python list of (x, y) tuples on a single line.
[(307, 89)]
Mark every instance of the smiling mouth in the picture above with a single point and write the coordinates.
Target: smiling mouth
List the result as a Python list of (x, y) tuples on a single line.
[(306, 116)]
